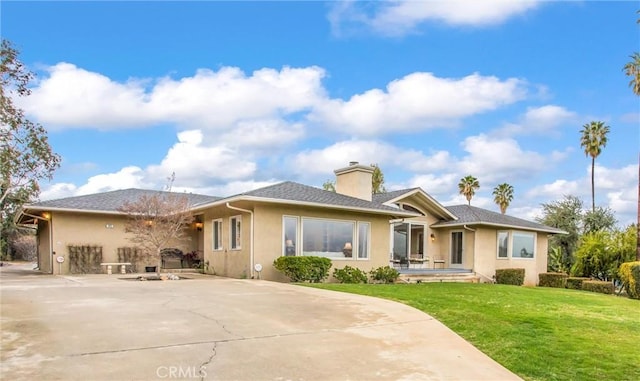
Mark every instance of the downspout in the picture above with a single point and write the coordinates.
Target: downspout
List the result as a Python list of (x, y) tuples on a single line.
[(50, 238), (250, 234)]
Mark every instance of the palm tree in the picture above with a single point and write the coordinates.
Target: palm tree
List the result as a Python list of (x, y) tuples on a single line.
[(503, 195), (468, 186), (593, 140), (632, 69)]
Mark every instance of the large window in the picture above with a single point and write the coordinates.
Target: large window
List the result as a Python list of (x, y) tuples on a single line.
[(327, 238), (363, 240), (503, 244), (522, 244), (516, 244), (290, 238), (217, 234), (235, 229)]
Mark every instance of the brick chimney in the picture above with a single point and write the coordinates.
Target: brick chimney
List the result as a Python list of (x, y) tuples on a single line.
[(355, 181)]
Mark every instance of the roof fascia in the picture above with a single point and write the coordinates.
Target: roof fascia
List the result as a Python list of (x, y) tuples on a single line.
[(492, 224), (430, 200)]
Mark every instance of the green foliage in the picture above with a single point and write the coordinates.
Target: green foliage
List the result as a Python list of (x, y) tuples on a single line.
[(329, 185), (598, 220), (598, 286), (601, 253), (575, 282), (304, 269), (468, 186), (510, 276), (25, 154), (384, 274), (554, 261), (557, 280), (350, 274), (565, 214), (377, 180), (629, 273), (502, 196)]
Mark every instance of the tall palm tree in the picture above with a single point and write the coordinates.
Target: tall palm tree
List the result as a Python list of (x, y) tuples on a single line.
[(468, 186), (593, 140), (632, 69), (503, 195)]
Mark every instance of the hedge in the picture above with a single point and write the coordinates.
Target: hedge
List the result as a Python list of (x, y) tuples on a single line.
[(304, 269), (575, 282), (510, 276), (629, 273), (598, 286), (557, 280), (384, 274)]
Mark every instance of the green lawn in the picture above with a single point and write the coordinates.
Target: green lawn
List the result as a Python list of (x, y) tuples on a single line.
[(538, 333)]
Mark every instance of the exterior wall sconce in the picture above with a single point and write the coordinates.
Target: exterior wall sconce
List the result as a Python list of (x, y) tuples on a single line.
[(198, 226), (433, 237), (46, 215), (149, 223)]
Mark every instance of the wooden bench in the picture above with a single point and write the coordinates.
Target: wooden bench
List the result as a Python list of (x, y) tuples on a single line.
[(123, 265), (418, 260)]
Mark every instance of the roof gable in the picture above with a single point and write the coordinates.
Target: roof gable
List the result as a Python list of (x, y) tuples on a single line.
[(415, 196)]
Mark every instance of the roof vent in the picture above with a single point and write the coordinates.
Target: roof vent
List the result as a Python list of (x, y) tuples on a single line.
[(352, 163)]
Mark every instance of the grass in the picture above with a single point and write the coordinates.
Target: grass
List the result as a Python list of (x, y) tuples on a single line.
[(538, 333)]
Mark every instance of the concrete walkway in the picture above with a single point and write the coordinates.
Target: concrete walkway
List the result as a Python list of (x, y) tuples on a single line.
[(99, 327)]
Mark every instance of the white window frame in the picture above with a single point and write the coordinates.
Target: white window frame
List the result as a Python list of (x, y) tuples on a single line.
[(356, 253), (297, 238), (216, 227), (510, 234), (235, 243)]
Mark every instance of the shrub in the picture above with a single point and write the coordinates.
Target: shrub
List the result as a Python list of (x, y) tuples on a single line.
[(598, 286), (384, 274), (350, 274), (304, 269), (557, 280), (575, 282), (629, 273), (510, 276)]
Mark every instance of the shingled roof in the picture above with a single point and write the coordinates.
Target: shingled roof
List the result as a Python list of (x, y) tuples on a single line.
[(388, 196), (471, 215), (289, 191), (110, 201)]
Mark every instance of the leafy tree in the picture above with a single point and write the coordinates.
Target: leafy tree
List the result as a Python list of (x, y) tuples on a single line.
[(565, 214), (632, 69), (377, 180), (468, 186), (503, 195), (601, 253), (157, 221), (593, 140), (25, 154), (598, 220), (329, 186)]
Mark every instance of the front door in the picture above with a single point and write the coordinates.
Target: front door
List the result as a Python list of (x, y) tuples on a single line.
[(456, 249)]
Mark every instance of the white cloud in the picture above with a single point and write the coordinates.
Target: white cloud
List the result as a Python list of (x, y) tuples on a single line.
[(557, 189), (73, 97), (127, 177), (539, 120), (397, 18), (502, 160), (417, 102)]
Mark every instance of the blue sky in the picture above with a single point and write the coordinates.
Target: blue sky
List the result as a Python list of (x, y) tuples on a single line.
[(232, 96)]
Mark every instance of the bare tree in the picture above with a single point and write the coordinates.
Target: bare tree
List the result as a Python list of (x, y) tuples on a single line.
[(157, 221)]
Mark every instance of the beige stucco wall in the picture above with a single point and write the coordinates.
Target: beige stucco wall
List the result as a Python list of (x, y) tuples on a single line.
[(268, 239), (95, 229), (486, 260), (44, 246)]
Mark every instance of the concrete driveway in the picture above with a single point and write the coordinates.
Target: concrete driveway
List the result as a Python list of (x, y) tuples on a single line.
[(98, 327)]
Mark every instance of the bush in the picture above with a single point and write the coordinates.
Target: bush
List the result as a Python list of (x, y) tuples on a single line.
[(557, 280), (575, 282), (598, 286), (629, 273), (510, 276), (304, 269), (350, 274), (384, 274)]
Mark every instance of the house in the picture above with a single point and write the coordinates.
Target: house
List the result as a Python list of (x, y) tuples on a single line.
[(404, 228)]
